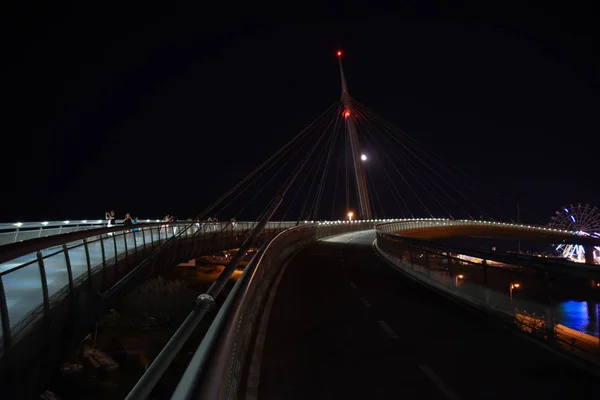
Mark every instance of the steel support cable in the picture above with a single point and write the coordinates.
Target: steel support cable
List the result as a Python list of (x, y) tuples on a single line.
[(299, 190), (408, 184), (251, 174), (452, 169), (337, 172), (280, 170), (321, 188), (417, 179), (396, 192), (317, 142), (374, 190), (296, 150), (436, 173), (318, 163), (430, 191)]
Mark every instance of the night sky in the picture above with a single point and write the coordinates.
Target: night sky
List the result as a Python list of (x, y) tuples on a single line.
[(161, 110)]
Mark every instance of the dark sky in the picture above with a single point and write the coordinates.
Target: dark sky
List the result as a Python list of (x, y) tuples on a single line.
[(161, 110)]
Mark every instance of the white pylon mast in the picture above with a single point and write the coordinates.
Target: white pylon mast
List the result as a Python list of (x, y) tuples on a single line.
[(359, 172)]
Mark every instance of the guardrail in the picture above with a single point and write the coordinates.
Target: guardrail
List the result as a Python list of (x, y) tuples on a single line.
[(38, 274), (225, 345), (496, 287), (19, 231)]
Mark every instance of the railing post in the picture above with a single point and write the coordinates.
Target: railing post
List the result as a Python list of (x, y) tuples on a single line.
[(6, 334), (135, 252), (89, 264), (151, 238), (104, 280), (125, 245), (69, 270), (45, 295), (144, 237)]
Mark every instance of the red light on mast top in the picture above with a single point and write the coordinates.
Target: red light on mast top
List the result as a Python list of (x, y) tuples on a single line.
[(339, 53), (346, 113)]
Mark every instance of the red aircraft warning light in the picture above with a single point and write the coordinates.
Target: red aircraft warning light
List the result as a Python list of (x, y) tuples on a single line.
[(346, 113), (339, 53)]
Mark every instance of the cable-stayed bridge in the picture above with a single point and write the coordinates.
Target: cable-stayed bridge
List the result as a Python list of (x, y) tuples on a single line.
[(354, 290)]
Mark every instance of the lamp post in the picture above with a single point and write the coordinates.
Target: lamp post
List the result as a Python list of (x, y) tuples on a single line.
[(457, 278), (513, 285)]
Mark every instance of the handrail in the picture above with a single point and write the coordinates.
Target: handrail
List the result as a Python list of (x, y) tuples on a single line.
[(15, 250), (197, 365)]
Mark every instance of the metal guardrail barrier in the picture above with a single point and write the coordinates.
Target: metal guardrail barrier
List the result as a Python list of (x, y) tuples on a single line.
[(36, 275), (20, 231), (225, 345), (496, 286)]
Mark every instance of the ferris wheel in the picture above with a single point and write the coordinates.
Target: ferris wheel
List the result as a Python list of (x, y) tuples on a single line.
[(582, 219)]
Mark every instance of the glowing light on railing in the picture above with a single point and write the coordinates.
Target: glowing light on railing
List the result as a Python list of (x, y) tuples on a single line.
[(66, 222), (18, 224), (147, 220), (45, 223), (99, 221), (84, 221), (158, 220)]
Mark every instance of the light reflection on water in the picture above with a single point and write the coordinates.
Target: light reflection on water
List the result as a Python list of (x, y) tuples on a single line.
[(580, 315)]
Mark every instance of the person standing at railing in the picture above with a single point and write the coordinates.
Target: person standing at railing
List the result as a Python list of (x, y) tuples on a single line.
[(110, 217), (164, 228), (127, 221)]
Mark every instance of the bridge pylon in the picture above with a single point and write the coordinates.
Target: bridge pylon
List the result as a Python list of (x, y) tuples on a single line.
[(359, 172)]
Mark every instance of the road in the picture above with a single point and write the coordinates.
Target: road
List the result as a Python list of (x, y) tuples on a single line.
[(345, 324)]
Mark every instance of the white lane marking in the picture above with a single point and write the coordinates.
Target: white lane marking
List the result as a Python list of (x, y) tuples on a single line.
[(365, 302), (353, 285), (438, 382), (388, 330)]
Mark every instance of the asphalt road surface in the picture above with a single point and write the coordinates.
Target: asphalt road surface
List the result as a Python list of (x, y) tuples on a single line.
[(345, 324)]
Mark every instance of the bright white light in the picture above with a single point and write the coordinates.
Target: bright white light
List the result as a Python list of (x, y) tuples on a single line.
[(45, 223), (84, 221), (363, 157), (66, 222), (18, 224)]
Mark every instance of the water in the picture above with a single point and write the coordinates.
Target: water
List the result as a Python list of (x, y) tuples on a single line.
[(583, 316)]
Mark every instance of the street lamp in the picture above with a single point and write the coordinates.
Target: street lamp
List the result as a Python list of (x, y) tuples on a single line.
[(458, 278), (513, 285), (350, 214)]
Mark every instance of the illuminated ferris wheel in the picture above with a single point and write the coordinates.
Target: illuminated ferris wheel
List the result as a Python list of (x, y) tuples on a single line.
[(582, 219)]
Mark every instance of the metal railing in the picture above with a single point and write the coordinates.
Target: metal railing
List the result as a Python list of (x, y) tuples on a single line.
[(36, 275), (521, 290), (226, 343), (19, 231)]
